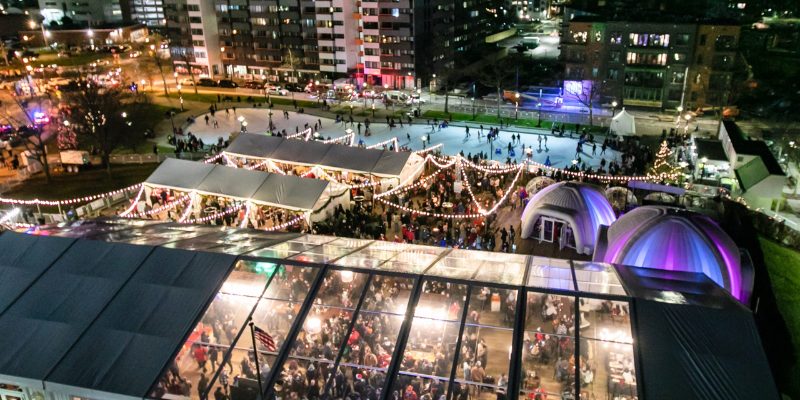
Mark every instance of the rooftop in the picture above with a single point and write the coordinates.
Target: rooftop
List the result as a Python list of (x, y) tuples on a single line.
[(120, 309)]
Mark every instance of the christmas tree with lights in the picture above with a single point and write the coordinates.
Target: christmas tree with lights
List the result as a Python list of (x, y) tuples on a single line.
[(664, 167)]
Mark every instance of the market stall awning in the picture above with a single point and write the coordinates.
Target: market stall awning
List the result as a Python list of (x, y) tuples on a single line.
[(277, 190), (290, 191), (177, 173), (232, 182), (332, 156)]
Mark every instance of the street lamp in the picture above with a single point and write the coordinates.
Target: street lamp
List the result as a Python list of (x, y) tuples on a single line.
[(473, 108), (124, 114), (373, 110), (516, 105), (180, 95), (539, 109), (614, 105), (419, 101)]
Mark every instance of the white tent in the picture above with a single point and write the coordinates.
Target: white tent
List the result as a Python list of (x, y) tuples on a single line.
[(623, 124)]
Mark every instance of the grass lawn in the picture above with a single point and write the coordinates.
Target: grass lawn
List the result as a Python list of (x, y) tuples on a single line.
[(212, 98), (783, 265), (87, 182), (492, 119)]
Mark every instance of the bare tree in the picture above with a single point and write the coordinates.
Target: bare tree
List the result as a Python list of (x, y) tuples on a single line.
[(189, 67), (587, 93), (107, 119), (36, 142), (448, 80), (496, 74)]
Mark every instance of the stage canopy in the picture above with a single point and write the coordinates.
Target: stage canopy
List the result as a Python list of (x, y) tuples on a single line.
[(623, 124), (338, 157), (259, 187)]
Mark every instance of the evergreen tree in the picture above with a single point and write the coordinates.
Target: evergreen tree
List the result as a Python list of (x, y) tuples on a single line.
[(664, 166)]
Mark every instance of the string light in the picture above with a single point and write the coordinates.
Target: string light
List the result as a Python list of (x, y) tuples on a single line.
[(207, 218), (392, 140), (188, 210), (134, 203), (246, 215), (285, 224), (432, 148), (350, 136), (84, 199), (304, 133), (159, 209)]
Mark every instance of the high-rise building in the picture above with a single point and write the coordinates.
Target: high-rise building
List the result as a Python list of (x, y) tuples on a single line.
[(147, 12), (82, 12), (191, 26), (658, 65), (397, 44)]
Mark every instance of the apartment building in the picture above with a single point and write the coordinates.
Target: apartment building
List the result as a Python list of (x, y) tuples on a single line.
[(147, 12), (82, 12), (654, 65), (391, 43)]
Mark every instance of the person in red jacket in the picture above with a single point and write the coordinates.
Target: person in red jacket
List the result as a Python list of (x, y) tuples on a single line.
[(201, 356)]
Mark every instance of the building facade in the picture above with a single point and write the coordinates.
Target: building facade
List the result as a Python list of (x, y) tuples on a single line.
[(397, 44), (147, 12), (83, 12), (191, 26), (655, 65)]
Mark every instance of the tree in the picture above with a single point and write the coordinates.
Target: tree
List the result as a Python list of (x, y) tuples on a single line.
[(448, 80), (36, 141), (496, 74), (664, 166), (106, 119), (586, 93), (189, 67)]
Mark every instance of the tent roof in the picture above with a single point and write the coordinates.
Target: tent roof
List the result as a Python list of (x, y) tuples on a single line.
[(253, 145), (291, 191), (332, 155), (391, 163), (134, 337), (343, 157), (24, 259), (232, 182), (278, 190), (691, 353), (623, 123), (59, 306), (177, 173)]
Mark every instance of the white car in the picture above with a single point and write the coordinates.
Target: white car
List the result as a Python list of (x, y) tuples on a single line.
[(56, 82), (186, 82), (277, 90), (415, 99)]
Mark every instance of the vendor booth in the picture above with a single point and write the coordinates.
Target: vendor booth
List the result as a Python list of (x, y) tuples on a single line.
[(210, 192), (330, 161)]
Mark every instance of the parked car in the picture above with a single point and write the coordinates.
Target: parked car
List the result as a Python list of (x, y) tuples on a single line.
[(293, 87), (254, 85), (206, 82), (227, 83), (186, 82), (277, 90)]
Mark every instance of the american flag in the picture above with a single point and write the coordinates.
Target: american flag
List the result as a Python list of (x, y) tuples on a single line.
[(265, 339)]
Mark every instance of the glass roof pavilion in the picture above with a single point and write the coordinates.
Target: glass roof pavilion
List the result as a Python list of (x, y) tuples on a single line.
[(294, 316)]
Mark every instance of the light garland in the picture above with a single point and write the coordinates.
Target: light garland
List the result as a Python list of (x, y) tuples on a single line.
[(214, 158), (134, 203), (165, 207), (303, 133), (350, 136), (188, 210), (275, 167), (392, 140), (257, 166), (84, 199), (285, 224), (429, 149), (207, 218), (246, 215), (229, 162)]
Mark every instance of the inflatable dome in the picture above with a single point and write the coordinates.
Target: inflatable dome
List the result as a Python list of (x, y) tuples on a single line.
[(673, 239), (581, 207)]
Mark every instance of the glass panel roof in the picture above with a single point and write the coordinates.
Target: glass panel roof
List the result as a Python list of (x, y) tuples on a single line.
[(597, 278), (292, 247), (550, 273), (390, 256)]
